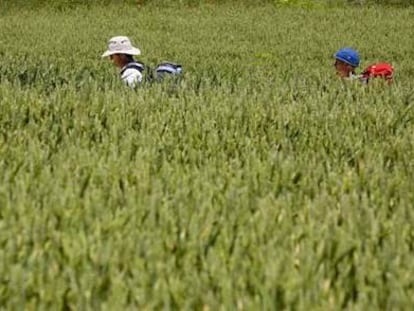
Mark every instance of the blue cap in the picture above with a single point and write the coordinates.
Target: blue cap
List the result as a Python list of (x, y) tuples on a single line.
[(349, 56)]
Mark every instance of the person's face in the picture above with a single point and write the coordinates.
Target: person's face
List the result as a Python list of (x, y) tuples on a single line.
[(343, 69), (117, 60)]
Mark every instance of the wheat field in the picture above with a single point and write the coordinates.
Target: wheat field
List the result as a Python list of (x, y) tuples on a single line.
[(260, 181)]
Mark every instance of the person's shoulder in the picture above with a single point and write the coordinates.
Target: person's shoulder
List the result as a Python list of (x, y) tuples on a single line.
[(131, 76), (138, 66), (131, 71)]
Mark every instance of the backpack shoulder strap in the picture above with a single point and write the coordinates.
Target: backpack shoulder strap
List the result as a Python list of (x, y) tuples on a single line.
[(133, 65)]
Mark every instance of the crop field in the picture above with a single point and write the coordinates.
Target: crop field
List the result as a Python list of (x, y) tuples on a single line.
[(259, 181)]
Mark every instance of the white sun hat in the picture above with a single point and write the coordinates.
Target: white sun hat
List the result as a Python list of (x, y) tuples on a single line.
[(121, 45)]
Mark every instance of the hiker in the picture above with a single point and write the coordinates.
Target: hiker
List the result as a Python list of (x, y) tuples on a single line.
[(347, 60), (121, 52)]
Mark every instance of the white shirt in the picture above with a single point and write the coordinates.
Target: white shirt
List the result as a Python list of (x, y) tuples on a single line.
[(131, 77), (353, 76)]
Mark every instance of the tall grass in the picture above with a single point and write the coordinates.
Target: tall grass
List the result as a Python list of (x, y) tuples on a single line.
[(261, 181), (65, 4)]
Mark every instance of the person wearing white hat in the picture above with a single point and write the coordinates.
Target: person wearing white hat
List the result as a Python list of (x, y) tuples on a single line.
[(121, 52)]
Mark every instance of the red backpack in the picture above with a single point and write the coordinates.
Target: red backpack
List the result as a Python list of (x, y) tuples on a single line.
[(382, 70)]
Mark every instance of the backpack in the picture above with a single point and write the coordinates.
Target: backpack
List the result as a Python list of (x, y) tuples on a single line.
[(167, 69), (382, 70)]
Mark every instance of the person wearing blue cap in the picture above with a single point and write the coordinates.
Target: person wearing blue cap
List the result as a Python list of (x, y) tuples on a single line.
[(346, 61)]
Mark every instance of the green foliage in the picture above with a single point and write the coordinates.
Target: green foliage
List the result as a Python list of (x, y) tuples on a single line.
[(260, 182)]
